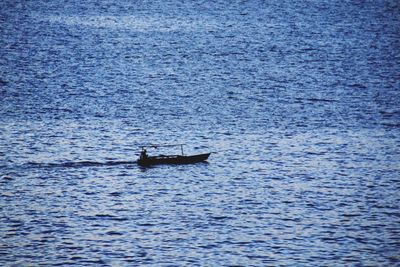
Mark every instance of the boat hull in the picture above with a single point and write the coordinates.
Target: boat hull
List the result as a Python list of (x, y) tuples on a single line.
[(173, 159)]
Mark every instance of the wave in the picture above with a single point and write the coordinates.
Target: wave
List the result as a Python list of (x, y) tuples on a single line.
[(79, 164), (312, 99), (132, 23)]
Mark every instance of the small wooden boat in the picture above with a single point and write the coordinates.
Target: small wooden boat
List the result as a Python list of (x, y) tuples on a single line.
[(145, 160)]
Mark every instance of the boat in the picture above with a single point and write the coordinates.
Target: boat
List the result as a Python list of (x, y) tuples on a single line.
[(145, 160)]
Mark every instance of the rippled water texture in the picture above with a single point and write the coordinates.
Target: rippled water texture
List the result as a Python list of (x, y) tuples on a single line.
[(300, 101)]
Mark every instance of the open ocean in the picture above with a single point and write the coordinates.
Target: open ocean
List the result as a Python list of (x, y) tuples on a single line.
[(300, 100)]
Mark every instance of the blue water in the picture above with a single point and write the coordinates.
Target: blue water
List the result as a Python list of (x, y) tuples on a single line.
[(300, 100)]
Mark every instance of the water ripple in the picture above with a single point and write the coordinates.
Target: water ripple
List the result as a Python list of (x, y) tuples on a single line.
[(299, 100)]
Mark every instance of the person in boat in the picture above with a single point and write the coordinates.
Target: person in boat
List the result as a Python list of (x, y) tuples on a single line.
[(143, 154)]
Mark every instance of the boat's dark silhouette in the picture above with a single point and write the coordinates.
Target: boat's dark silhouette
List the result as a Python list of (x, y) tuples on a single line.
[(145, 160)]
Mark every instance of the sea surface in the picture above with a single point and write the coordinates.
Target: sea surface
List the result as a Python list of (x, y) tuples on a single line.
[(298, 100)]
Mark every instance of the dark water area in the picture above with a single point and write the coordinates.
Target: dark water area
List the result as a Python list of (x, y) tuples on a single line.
[(300, 100)]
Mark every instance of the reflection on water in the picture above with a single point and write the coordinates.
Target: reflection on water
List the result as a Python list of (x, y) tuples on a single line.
[(299, 101)]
